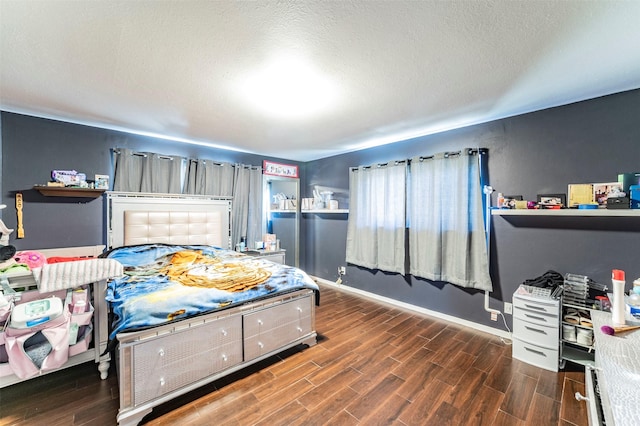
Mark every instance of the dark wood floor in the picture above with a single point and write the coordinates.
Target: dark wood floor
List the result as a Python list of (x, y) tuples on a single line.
[(373, 365)]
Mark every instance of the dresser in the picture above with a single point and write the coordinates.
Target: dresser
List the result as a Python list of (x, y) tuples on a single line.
[(536, 325), (276, 256)]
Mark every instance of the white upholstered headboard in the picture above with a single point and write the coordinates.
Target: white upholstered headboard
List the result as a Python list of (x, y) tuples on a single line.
[(137, 218)]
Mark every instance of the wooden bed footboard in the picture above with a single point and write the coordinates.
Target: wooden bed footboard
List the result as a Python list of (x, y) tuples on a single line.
[(158, 364)]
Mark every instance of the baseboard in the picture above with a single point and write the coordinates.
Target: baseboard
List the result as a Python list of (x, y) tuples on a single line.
[(480, 327)]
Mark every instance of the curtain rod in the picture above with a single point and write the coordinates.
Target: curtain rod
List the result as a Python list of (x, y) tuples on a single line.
[(138, 154), (215, 163), (470, 151), (145, 155)]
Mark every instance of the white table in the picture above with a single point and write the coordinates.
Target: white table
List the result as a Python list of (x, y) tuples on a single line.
[(618, 371)]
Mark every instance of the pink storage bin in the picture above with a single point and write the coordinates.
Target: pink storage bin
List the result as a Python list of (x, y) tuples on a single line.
[(5, 310), (54, 332), (5, 368), (82, 318), (83, 342)]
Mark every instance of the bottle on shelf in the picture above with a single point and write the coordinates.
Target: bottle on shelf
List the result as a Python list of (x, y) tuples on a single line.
[(618, 306), (500, 200)]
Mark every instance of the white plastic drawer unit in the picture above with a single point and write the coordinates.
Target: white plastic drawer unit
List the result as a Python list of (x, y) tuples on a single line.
[(268, 329), (536, 331), (209, 348), (543, 335)]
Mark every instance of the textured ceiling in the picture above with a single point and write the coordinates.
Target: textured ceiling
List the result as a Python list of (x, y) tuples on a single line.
[(393, 69)]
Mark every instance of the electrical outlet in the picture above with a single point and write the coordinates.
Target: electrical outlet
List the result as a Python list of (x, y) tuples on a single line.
[(508, 308), (494, 316), (342, 270)]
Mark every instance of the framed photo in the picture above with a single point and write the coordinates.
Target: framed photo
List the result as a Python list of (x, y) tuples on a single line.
[(552, 200), (510, 200), (580, 193), (601, 191), (277, 169), (102, 182)]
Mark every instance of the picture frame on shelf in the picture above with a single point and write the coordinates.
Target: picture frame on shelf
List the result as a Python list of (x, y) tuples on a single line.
[(101, 182), (601, 191), (580, 193), (510, 200), (552, 200)]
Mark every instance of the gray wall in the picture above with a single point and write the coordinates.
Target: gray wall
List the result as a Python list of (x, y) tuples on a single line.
[(537, 153), (541, 152), (32, 147)]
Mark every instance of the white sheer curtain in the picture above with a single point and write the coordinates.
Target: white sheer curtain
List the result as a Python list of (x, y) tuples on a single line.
[(147, 172), (446, 231), (376, 225)]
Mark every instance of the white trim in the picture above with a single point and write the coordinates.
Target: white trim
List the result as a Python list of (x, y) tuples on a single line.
[(500, 333)]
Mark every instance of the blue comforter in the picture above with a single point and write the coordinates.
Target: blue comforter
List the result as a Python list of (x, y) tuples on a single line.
[(163, 283)]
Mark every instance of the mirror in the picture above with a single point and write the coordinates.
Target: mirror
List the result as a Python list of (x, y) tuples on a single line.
[(282, 209)]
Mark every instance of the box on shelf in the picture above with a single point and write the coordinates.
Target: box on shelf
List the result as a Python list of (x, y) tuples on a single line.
[(628, 179), (618, 203), (634, 192)]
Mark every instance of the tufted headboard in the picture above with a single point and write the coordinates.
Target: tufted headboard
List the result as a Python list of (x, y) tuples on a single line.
[(135, 218), (174, 227)]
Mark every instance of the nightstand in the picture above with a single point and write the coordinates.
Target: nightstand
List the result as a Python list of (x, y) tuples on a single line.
[(276, 256)]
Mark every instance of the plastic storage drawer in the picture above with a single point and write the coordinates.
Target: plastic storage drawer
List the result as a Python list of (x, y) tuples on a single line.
[(539, 356)]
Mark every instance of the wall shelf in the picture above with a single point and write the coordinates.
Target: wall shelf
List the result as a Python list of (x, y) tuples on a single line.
[(327, 211), (568, 212), (61, 191), (313, 211)]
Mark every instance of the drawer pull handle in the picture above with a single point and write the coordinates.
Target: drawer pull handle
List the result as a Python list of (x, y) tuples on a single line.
[(535, 317), (540, 308), (536, 352), (261, 345), (161, 352), (535, 329), (299, 329), (224, 332), (224, 358), (580, 397), (299, 309), (161, 381), (260, 322)]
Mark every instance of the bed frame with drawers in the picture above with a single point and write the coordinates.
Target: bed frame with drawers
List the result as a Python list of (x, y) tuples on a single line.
[(161, 363)]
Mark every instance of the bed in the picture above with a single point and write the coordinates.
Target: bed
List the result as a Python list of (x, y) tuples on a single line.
[(189, 310)]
